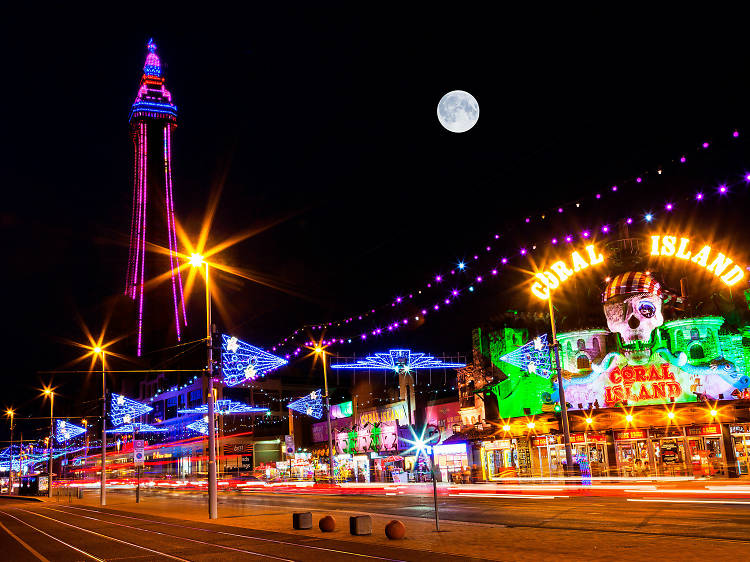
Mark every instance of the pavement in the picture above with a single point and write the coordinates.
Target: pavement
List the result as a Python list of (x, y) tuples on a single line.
[(518, 527)]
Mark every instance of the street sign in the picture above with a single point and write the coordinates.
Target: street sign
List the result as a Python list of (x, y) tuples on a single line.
[(139, 455), (289, 442)]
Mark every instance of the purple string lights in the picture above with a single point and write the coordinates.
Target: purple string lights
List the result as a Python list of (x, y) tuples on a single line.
[(460, 267)]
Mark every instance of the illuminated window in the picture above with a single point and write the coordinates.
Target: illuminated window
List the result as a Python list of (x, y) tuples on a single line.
[(583, 362)]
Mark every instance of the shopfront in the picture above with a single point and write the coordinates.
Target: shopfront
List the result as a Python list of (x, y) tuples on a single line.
[(589, 452), (352, 468), (741, 442), (499, 459)]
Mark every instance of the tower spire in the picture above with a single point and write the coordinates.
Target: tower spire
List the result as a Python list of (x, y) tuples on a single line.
[(152, 67)]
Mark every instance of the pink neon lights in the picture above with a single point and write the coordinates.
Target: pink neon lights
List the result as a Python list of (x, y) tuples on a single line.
[(144, 190)]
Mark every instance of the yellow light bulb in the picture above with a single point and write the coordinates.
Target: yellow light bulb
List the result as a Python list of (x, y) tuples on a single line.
[(97, 350), (506, 428), (629, 418), (714, 413), (670, 415), (589, 420), (196, 260), (531, 425)]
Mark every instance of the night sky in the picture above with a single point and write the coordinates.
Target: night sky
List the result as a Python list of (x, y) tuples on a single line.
[(326, 127)]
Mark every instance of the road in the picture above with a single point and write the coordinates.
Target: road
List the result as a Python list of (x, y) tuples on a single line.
[(172, 525)]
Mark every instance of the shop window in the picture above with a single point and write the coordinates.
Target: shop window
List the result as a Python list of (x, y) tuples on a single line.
[(583, 362), (696, 352), (171, 407)]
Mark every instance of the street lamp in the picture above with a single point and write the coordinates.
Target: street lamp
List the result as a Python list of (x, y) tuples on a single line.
[(320, 351), (103, 486), (10, 412), (196, 260), (48, 392)]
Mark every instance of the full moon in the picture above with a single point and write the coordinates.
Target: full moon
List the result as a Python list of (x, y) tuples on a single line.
[(458, 111)]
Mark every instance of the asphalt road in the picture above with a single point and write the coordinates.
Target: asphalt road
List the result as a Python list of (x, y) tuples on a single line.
[(38, 531)]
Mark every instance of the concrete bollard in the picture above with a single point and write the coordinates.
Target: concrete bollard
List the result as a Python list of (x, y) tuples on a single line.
[(302, 520), (395, 530), (327, 524), (360, 525)]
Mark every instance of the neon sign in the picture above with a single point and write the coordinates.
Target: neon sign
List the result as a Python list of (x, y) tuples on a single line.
[(668, 246), (548, 281)]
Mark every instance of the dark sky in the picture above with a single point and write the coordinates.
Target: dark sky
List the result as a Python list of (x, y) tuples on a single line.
[(327, 122)]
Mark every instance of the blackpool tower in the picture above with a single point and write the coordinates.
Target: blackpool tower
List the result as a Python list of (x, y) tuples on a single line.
[(153, 118)]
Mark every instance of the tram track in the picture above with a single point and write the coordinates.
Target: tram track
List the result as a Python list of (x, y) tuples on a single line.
[(189, 528)]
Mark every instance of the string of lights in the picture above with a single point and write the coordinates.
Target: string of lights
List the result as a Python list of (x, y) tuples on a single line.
[(471, 276)]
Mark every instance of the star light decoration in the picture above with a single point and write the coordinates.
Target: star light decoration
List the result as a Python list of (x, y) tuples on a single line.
[(201, 426), (124, 410), (399, 360), (532, 357), (137, 428), (225, 407), (310, 404), (64, 430), (241, 361)]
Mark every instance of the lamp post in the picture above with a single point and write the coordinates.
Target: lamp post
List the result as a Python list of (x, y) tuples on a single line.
[(48, 392), (196, 260), (10, 413), (85, 423), (103, 486), (561, 389), (321, 351)]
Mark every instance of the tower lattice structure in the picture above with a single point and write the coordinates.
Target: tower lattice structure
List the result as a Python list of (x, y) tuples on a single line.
[(153, 118)]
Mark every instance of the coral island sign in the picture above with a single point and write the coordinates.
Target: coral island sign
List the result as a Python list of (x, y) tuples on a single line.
[(544, 282), (548, 281), (669, 247)]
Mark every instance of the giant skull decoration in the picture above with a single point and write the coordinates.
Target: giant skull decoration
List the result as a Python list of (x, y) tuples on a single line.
[(632, 305)]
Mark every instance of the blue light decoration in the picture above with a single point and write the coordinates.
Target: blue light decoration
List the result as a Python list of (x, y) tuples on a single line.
[(137, 428), (532, 357), (399, 360), (310, 404), (201, 426), (225, 407), (242, 362), (64, 431), (124, 410)]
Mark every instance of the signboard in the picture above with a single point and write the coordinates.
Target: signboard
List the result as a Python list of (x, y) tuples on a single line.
[(139, 455), (631, 434), (391, 413), (320, 429), (378, 437), (247, 461), (289, 443), (711, 429), (670, 452), (343, 410), (238, 449)]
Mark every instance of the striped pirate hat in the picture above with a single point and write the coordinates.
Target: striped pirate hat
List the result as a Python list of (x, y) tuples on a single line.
[(630, 283)]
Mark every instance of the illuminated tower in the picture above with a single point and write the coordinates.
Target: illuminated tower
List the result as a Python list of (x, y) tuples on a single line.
[(153, 118)]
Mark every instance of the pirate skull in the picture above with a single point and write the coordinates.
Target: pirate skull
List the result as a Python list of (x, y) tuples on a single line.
[(632, 305)]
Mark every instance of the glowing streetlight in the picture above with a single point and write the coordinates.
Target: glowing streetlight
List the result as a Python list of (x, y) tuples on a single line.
[(10, 413), (48, 392), (320, 351), (196, 260)]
